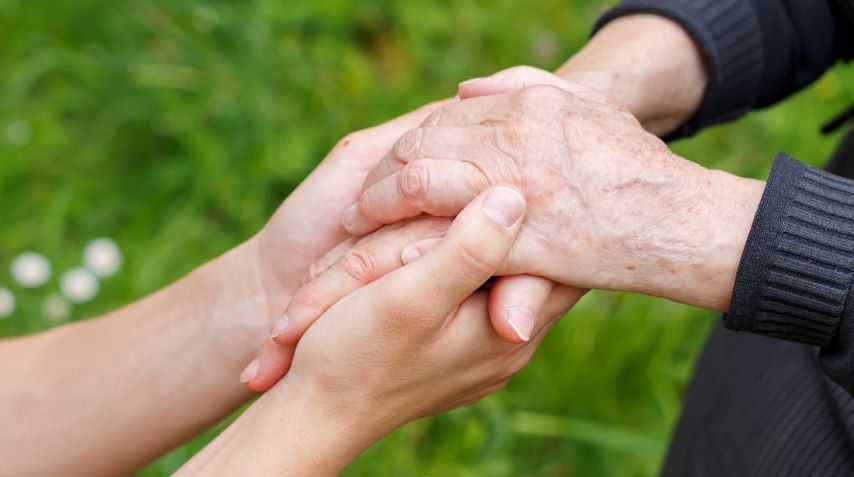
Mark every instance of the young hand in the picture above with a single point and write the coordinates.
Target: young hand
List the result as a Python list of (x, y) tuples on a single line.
[(415, 342)]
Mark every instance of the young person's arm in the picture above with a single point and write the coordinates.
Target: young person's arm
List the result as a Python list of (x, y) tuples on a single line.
[(105, 396)]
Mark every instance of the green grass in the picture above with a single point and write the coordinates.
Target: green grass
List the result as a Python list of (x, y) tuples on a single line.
[(178, 127)]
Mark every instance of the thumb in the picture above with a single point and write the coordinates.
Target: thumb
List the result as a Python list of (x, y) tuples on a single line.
[(474, 248), (513, 79)]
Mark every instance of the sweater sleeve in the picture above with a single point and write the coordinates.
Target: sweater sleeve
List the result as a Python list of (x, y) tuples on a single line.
[(795, 276), (758, 51)]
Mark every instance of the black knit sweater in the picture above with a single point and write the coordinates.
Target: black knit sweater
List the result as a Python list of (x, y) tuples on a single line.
[(796, 274)]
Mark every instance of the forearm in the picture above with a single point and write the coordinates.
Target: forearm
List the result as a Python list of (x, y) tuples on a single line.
[(647, 63), (796, 276), (104, 396), (652, 66), (693, 250)]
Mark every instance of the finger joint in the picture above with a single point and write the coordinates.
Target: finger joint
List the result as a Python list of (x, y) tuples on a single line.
[(414, 180), (360, 265)]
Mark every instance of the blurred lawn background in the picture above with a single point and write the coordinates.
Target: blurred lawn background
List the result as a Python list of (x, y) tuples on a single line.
[(177, 127)]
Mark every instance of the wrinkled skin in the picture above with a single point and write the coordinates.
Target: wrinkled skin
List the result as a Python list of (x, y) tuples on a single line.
[(610, 205)]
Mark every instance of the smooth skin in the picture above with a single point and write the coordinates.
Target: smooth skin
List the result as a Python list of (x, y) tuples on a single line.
[(139, 381), (415, 342)]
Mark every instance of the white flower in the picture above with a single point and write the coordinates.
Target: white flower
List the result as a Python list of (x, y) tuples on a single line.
[(102, 257), (7, 302), (78, 285), (55, 308), (30, 270)]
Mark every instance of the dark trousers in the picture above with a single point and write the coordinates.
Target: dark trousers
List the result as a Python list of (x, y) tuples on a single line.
[(759, 406)]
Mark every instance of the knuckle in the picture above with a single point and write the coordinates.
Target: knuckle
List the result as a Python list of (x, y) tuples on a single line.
[(414, 181), (313, 272), (359, 264), (406, 148)]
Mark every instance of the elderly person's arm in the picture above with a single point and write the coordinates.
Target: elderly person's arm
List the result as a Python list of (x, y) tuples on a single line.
[(795, 275), (682, 65), (612, 207), (783, 271)]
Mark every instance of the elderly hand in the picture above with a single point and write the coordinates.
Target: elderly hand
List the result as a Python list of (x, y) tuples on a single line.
[(415, 342), (610, 206), (308, 225)]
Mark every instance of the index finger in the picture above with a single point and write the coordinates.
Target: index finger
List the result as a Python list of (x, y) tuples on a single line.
[(471, 112)]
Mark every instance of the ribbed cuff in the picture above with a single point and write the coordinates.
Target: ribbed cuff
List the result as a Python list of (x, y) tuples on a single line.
[(729, 34), (798, 264)]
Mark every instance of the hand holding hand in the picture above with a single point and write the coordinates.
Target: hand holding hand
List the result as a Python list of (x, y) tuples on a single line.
[(308, 224), (358, 262), (415, 342), (610, 206)]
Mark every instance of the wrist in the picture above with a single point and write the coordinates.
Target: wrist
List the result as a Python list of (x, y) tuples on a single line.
[(232, 306), (297, 429), (647, 63), (702, 251), (734, 202)]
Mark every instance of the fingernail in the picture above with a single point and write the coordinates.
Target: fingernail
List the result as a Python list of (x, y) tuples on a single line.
[(410, 255), (503, 205), (251, 371), (521, 320), (350, 216), (468, 81), (280, 325)]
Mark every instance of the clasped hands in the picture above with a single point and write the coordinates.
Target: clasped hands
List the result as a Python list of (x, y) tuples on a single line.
[(548, 184)]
